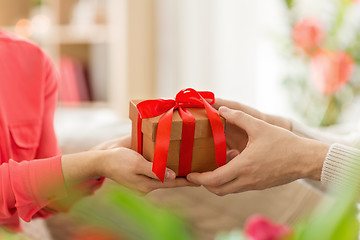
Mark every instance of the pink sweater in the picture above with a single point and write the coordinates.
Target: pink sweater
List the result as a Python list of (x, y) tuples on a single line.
[(32, 183)]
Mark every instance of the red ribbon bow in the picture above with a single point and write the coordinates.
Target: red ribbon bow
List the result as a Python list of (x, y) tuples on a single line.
[(185, 98)]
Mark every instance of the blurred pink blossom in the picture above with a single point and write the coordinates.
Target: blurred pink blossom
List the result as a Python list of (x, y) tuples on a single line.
[(258, 227), (308, 34), (330, 71)]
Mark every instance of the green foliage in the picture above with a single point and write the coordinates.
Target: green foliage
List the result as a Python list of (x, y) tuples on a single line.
[(5, 235), (354, 48), (334, 219), (123, 213), (289, 3), (37, 2)]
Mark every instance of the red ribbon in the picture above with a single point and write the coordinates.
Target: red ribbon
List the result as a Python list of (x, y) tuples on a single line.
[(185, 98)]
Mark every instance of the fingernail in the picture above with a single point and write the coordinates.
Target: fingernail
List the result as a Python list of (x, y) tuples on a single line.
[(223, 109), (169, 174)]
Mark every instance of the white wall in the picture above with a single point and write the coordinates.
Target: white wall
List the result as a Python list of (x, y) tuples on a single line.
[(221, 45)]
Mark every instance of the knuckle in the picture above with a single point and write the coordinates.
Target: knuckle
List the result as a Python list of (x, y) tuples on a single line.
[(146, 188), (247, 169), (136, 164), (238, 113), (260, 124), (212, 182), (221, 194), (133, 167), (218, 192), (215, 181), (140, 189), (252, 184), (236, 116)]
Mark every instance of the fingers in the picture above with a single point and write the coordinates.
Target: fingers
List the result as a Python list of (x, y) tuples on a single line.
[(231, 187), (120, 142), (239, 118), (125, 142), (147, 185), (217, 177), (114, 143), (178, 182), (238, 106), (144, 167), (242, 183), (227, 103)]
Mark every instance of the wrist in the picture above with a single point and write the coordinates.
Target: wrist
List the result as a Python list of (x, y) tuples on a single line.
[(312, 157), (96, 163), (79, 167), (103, 162)]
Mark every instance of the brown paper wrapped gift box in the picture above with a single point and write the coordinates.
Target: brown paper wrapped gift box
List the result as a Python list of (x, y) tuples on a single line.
[(203, 151)]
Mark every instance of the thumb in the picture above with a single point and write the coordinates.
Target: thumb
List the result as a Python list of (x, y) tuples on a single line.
[(240, 119), (227, 103)]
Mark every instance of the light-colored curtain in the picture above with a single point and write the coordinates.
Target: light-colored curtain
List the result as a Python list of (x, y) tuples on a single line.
[(221, 45)]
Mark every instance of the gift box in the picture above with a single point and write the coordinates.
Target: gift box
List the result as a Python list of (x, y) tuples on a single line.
[(179, 133)]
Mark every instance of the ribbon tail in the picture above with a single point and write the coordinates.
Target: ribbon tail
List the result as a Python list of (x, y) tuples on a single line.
[(218, 134), (187, 141), (162, 144)]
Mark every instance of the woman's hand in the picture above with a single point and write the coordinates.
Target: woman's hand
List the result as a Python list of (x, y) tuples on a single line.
[(114, 143), (132, 170), (273, 156), (122, 165)]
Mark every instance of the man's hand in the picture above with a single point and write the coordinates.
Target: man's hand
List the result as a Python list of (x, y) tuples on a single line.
[(272, 119), (236, 137), (273, 156)]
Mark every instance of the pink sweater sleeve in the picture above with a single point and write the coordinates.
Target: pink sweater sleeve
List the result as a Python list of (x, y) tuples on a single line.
[(28, 186), (32, 183), (41, 179)]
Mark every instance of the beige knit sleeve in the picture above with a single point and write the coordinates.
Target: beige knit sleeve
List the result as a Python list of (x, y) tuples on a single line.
[(341, 166)]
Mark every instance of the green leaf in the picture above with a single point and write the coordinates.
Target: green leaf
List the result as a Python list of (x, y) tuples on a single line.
[(123, 213), (5, 235), (333, 219), (289, 3)]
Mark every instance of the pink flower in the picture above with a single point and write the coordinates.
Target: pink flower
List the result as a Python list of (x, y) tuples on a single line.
[(258, 227), (308, 34), (330, 71)]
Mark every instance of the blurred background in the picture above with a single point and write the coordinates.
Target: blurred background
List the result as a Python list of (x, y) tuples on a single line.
[(296, 58), (110, 51), (117, 50)]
